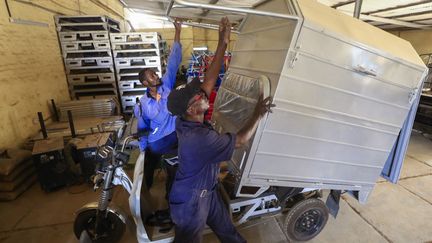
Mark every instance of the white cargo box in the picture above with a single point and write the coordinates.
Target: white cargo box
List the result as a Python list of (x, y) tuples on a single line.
[(342, 88)]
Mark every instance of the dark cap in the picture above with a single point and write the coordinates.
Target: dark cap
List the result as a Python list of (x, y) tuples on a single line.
[(179, 98)]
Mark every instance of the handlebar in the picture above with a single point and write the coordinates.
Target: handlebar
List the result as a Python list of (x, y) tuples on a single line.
[(107, 152), (104, 151)]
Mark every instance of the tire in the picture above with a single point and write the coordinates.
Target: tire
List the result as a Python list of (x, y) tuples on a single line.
[(113, 227), (305, 220)]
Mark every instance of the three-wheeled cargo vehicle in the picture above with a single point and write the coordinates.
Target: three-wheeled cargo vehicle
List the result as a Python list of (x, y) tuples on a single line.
[(345, 92)]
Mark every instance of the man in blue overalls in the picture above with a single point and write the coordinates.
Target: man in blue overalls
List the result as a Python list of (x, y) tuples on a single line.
[(152, 112), (194, 200)]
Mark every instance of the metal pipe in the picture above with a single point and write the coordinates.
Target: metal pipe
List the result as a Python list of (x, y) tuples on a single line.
[(207, 26), (71, 123), (357, 8), (199, 25), (236, 10), (170, 5), (216, 21), (8, 9), (337, 5), (202, 25), (55, 110), (206, 11), (42, 125), (242, 23)]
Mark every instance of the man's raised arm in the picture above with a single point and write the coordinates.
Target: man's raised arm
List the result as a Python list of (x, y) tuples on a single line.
[(212, 73)]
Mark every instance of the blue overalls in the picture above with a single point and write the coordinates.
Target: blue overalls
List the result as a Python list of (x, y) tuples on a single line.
[(194, 200), (159, 121), (154, 116)]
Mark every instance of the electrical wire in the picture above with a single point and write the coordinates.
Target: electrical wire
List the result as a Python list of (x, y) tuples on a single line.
[(39, 6), (108, 9), (8, 9), (79, 181), (62, 6)]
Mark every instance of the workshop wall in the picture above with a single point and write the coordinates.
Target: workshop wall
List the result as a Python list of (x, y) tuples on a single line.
[(420, 39), (209, 38), (31, 66)]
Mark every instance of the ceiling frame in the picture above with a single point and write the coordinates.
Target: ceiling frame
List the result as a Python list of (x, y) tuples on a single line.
[(376, 14)]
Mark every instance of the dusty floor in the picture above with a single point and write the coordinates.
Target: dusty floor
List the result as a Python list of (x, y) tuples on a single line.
[(393, 213)]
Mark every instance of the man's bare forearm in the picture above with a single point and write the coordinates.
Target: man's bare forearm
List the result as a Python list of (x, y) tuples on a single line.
[(262, 107), (212, 73), (177, 36), (247, 130), (177, 27)]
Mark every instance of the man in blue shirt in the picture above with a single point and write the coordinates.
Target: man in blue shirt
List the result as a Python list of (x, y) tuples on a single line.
[(152, 112), (194, 200)]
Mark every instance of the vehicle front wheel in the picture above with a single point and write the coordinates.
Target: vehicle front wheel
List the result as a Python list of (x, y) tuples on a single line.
[(306, 219), (111, 229)]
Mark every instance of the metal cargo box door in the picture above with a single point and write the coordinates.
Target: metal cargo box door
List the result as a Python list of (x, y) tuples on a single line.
[(393, 165), (235, 104)]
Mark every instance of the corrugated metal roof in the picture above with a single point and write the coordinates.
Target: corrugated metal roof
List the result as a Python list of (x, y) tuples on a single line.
[(390, 14), (385, 14)]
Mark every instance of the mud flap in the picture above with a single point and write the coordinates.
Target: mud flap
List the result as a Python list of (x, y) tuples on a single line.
[(332, 202), (135, 199)]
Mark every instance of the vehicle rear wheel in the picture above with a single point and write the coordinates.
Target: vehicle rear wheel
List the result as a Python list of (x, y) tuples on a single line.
[(306, 219), (111, 230)]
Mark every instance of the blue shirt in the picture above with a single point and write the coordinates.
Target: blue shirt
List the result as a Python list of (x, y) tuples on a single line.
[(200, 151), (154, 115)]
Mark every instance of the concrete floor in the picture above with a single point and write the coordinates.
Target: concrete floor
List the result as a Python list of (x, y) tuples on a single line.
[(393, 213)]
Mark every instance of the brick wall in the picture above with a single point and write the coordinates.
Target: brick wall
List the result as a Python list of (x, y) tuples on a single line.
[(31, 66), (419, 39)]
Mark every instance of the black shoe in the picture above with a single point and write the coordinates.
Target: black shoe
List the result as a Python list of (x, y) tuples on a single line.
[(159, 218)]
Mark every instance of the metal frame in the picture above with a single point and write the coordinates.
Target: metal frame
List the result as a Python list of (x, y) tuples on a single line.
[(398, 153), (357, 8), (230, 9), (254, 207), (184, 4)]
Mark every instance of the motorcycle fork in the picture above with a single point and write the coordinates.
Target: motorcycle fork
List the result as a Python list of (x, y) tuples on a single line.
[(104, 200)]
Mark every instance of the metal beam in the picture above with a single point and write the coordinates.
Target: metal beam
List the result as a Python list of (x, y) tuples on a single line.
[(395, 28), (357, 8), (423, 19), (397, 7), (205, 12), (28, 22), (169, 8), (395, 22), (410, 14), (337, 5), (391, 21)]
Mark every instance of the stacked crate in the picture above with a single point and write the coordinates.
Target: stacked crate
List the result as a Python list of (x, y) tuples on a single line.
[(87, 55), (133, 52)]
